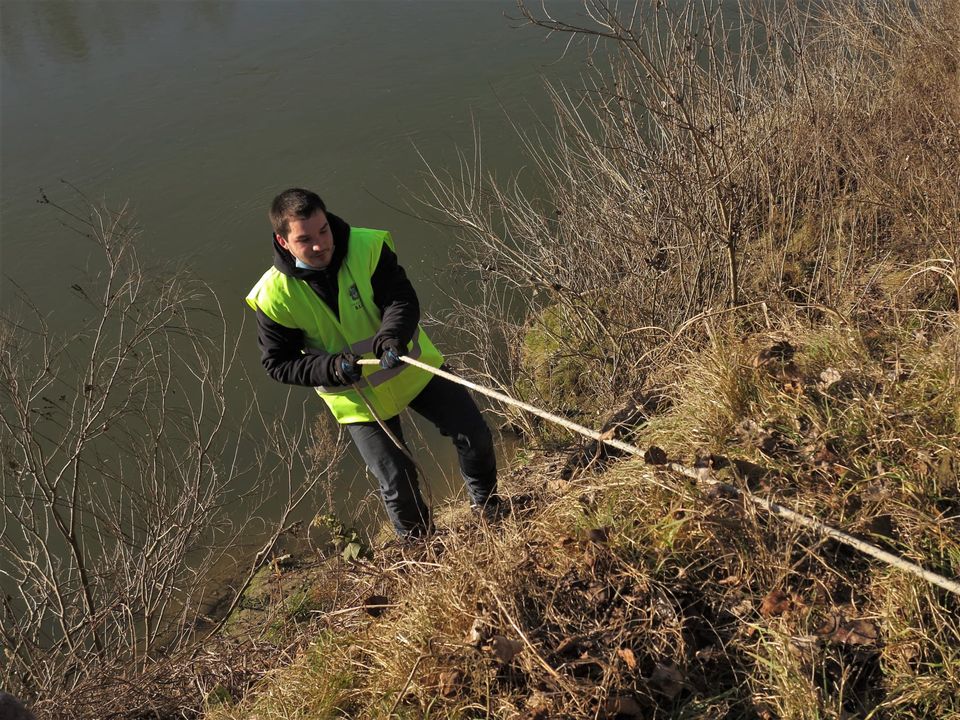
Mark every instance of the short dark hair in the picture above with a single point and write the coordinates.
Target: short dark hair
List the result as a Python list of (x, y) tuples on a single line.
[(293, 204)]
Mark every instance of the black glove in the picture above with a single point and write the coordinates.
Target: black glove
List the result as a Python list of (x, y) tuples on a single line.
[(346, 369), (390, 351)]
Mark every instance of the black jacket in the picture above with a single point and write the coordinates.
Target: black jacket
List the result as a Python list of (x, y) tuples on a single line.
[(281, 348)]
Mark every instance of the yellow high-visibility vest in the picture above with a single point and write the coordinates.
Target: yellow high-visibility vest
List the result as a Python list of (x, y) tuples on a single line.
[(294, 304)]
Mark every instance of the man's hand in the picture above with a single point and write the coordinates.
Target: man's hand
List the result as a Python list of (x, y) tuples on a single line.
[(346, 368), (390, 351)]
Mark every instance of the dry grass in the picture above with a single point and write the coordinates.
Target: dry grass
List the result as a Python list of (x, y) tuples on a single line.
[(611, 597)]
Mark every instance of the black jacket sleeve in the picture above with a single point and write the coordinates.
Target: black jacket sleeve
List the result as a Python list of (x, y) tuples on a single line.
[(282, 357), (397, 300)]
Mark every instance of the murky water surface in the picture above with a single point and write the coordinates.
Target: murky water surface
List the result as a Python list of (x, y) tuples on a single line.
[(198, 112)]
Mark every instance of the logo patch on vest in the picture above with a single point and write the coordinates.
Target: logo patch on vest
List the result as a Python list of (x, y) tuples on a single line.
[(355, 296)]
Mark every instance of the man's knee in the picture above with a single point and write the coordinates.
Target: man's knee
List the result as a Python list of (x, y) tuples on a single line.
[(476, 437)]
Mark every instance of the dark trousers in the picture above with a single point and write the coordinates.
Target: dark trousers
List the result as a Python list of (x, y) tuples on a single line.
[(455, 414)]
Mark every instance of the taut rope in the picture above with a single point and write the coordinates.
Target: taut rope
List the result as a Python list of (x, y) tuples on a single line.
[(703, 475)]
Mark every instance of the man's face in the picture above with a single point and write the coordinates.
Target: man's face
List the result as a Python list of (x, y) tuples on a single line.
[(310, 240)]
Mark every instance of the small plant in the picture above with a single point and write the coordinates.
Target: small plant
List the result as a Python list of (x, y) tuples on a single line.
[(347, 540)]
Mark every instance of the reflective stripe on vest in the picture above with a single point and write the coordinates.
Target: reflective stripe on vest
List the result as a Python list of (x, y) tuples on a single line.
[(294, 304)]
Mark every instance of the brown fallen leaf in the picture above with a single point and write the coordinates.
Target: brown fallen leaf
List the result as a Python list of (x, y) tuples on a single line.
[(655, 456), (856, 632), (711, 652), (803, 646), (478, 632), (626, 654), (569, 646), (451, 682), (667, 680), (375, 605), (622, 706), (779, 352), (598, 535), (775, 603), (504, 648)]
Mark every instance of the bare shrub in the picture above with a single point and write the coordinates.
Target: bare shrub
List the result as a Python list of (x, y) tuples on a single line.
[(124, 512), (718, 161)]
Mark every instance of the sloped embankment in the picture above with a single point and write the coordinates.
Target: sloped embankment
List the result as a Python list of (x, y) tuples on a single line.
[(767, 238), (633, 593)]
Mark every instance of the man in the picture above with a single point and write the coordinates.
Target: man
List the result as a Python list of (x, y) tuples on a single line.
[(336, 294)]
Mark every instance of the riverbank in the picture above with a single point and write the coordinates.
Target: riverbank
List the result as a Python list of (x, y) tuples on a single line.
[(765, 242), (626, 591), (750, 264)]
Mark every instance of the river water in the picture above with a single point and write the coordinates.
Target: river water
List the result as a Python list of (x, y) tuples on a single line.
[(198, 112)]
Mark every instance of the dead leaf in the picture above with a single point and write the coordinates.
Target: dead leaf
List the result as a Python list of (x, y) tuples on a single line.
[(598, 535), (504, 648), (622, 706), (779, 352), (829, 377), (856, 632), (881, 525), (477, 632), (626, 654), (775, 603), (375, 605), (711, 652), (655, 456), (667, 680), (451, 682), (729, 581), (569, 646), (557, 486), (803, 646)]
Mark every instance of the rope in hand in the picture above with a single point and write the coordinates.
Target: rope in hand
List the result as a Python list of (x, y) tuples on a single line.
[(702, 475)]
